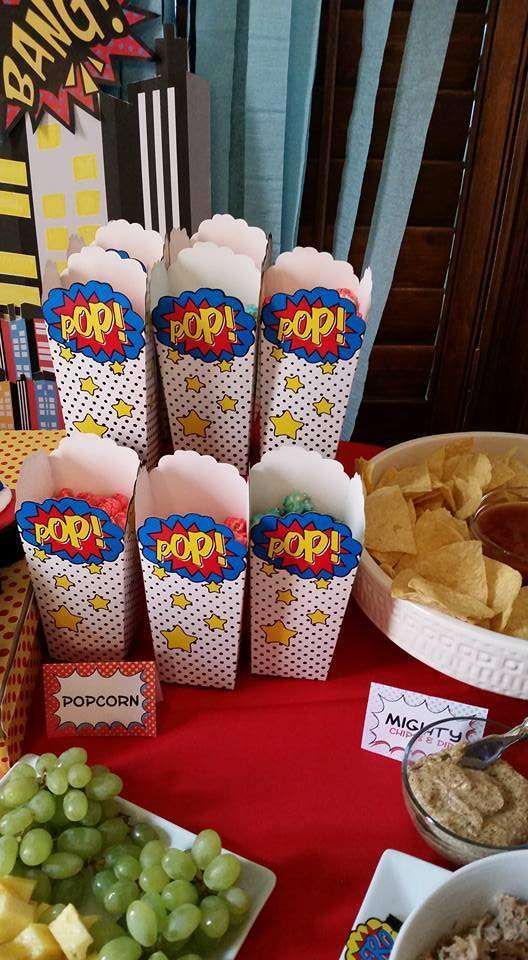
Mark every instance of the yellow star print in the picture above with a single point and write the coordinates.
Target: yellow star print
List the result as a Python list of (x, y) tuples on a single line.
[(94, 568), (285, 596), (278, 353), (214, 587), (66, 353), (322, 584), (194, 383), (88, 385), (286, 425), (159, 572), (214, 622), (268, 569), (65, 619), (122, 409), (328, 368), (294, 384), (193, 424), (117, 368), (177, 639), (323, 407), (40, 554), (173, 355), (99, 603), (89, 425), (227, 403), (317, 616), (180, 600), (278, 632), (225, 366), (63, 581)]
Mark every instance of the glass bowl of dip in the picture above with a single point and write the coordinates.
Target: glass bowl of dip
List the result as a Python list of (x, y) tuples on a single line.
[(465, 814), (501, 524)]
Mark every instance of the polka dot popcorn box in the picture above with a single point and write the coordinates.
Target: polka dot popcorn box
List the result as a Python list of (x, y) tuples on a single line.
[(302, 565), (312, 326), (82, 560), (205, 296), (193, 557), (101, 345)]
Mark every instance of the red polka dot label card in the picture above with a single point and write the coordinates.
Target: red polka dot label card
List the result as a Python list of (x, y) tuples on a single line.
[(100, 699)]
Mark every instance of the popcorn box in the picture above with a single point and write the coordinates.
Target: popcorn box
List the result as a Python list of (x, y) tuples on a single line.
[(194, 568), (83, 565), (303, 565), (101, 345), (205, 296), (312, 326)]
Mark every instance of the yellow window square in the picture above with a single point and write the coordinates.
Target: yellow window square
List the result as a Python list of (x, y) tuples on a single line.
[(85, 167), (13, 172), (57, 238), (87, 231), (87, 202), (48, 135), (54, 205), (14, 204)]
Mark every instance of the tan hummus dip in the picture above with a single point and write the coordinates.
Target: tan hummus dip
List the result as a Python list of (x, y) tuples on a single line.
[(486, 806), (503, 936)]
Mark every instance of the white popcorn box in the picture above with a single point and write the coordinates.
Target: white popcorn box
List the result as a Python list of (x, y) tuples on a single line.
[(312, 325), (205, 296), (302, 565), (194, 569), (102, 348), (84, 567)]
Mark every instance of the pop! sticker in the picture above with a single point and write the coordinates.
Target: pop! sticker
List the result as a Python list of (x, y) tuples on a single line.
[(95, 320), (319, 326), (309, 545), (70, 529), (206, 324), (193, 546), (372, 940)]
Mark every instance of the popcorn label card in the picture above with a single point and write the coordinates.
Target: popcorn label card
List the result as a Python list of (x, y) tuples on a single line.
[(312, 326), (303, 564), (75, 520), (206, 296), (394, 716), (100, 699), (191, 516), (103, 354)]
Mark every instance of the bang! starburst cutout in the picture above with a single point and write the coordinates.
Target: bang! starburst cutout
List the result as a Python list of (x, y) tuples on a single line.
[(54, 54)]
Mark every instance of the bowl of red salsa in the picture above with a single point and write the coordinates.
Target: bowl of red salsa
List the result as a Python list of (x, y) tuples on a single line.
[(501, 524)]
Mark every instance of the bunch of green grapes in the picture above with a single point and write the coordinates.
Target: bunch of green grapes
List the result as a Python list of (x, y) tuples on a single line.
[(61, 825)]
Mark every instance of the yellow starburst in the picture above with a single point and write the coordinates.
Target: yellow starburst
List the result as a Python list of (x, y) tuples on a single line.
[(268, 569), (99, 603), (159, 572), (65, 619), (322, 584), (66, 353), (63, 581), (317, 616), (193, 424), (40, 554), (88, 385), (94, 568), (323, 407), (180, 600), (227, 403), (286, 425), (294, 384), (173, 355), (214, 622), (89, 425), (278, 353), (177, 639), (285, 596), (214, 587), (225, 366), (194, 383), (117, 368), (278, 632), (122, 409), (328, 368)]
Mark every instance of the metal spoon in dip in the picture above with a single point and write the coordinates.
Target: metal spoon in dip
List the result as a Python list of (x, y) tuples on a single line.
[(481, 754)]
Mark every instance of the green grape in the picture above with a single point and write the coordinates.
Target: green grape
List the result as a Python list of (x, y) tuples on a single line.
[(75, 805), (153, 879), (16, 821), (206, 847), (99, 768), (222, 872), (48, 761), (104, 786), (35, 847), (86, 842), (43, 806), (110, 808), (238, 903), (57, 781), (104, 930), (59, 819), (16, 792), (152, 853), (155, 901), (142, 923), (93, 814), (178, 892), (61, 866), (8, 854), (182, 922), (215, 917), (159, 955), (52, 913), (101, 883), (118, 897), (123, 948), (142, 833), (79, 774), (113, 831), (118, 850), (72, 889), (186, 956), (178, 865), (127, 868), (42, 889), (71, 756), (23, 771)]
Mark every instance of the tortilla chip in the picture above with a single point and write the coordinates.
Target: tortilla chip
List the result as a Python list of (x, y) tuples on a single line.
[(437, 528), (520, 470), (387, 560), (467, 495), (517, 625), (412, 511), (413, 480), (456, 447), (365, 468), (387, 521), (435, 463), (504, 584), (469, 466), (501, 472), (409, 586), (459, 566)]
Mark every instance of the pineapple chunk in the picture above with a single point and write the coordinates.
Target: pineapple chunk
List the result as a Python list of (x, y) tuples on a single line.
[(71, 934), (15, 914), (9, 951), (38, 943), (19, 887)]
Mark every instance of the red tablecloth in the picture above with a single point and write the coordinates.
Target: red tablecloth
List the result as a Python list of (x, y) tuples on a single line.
[(276, 767)]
